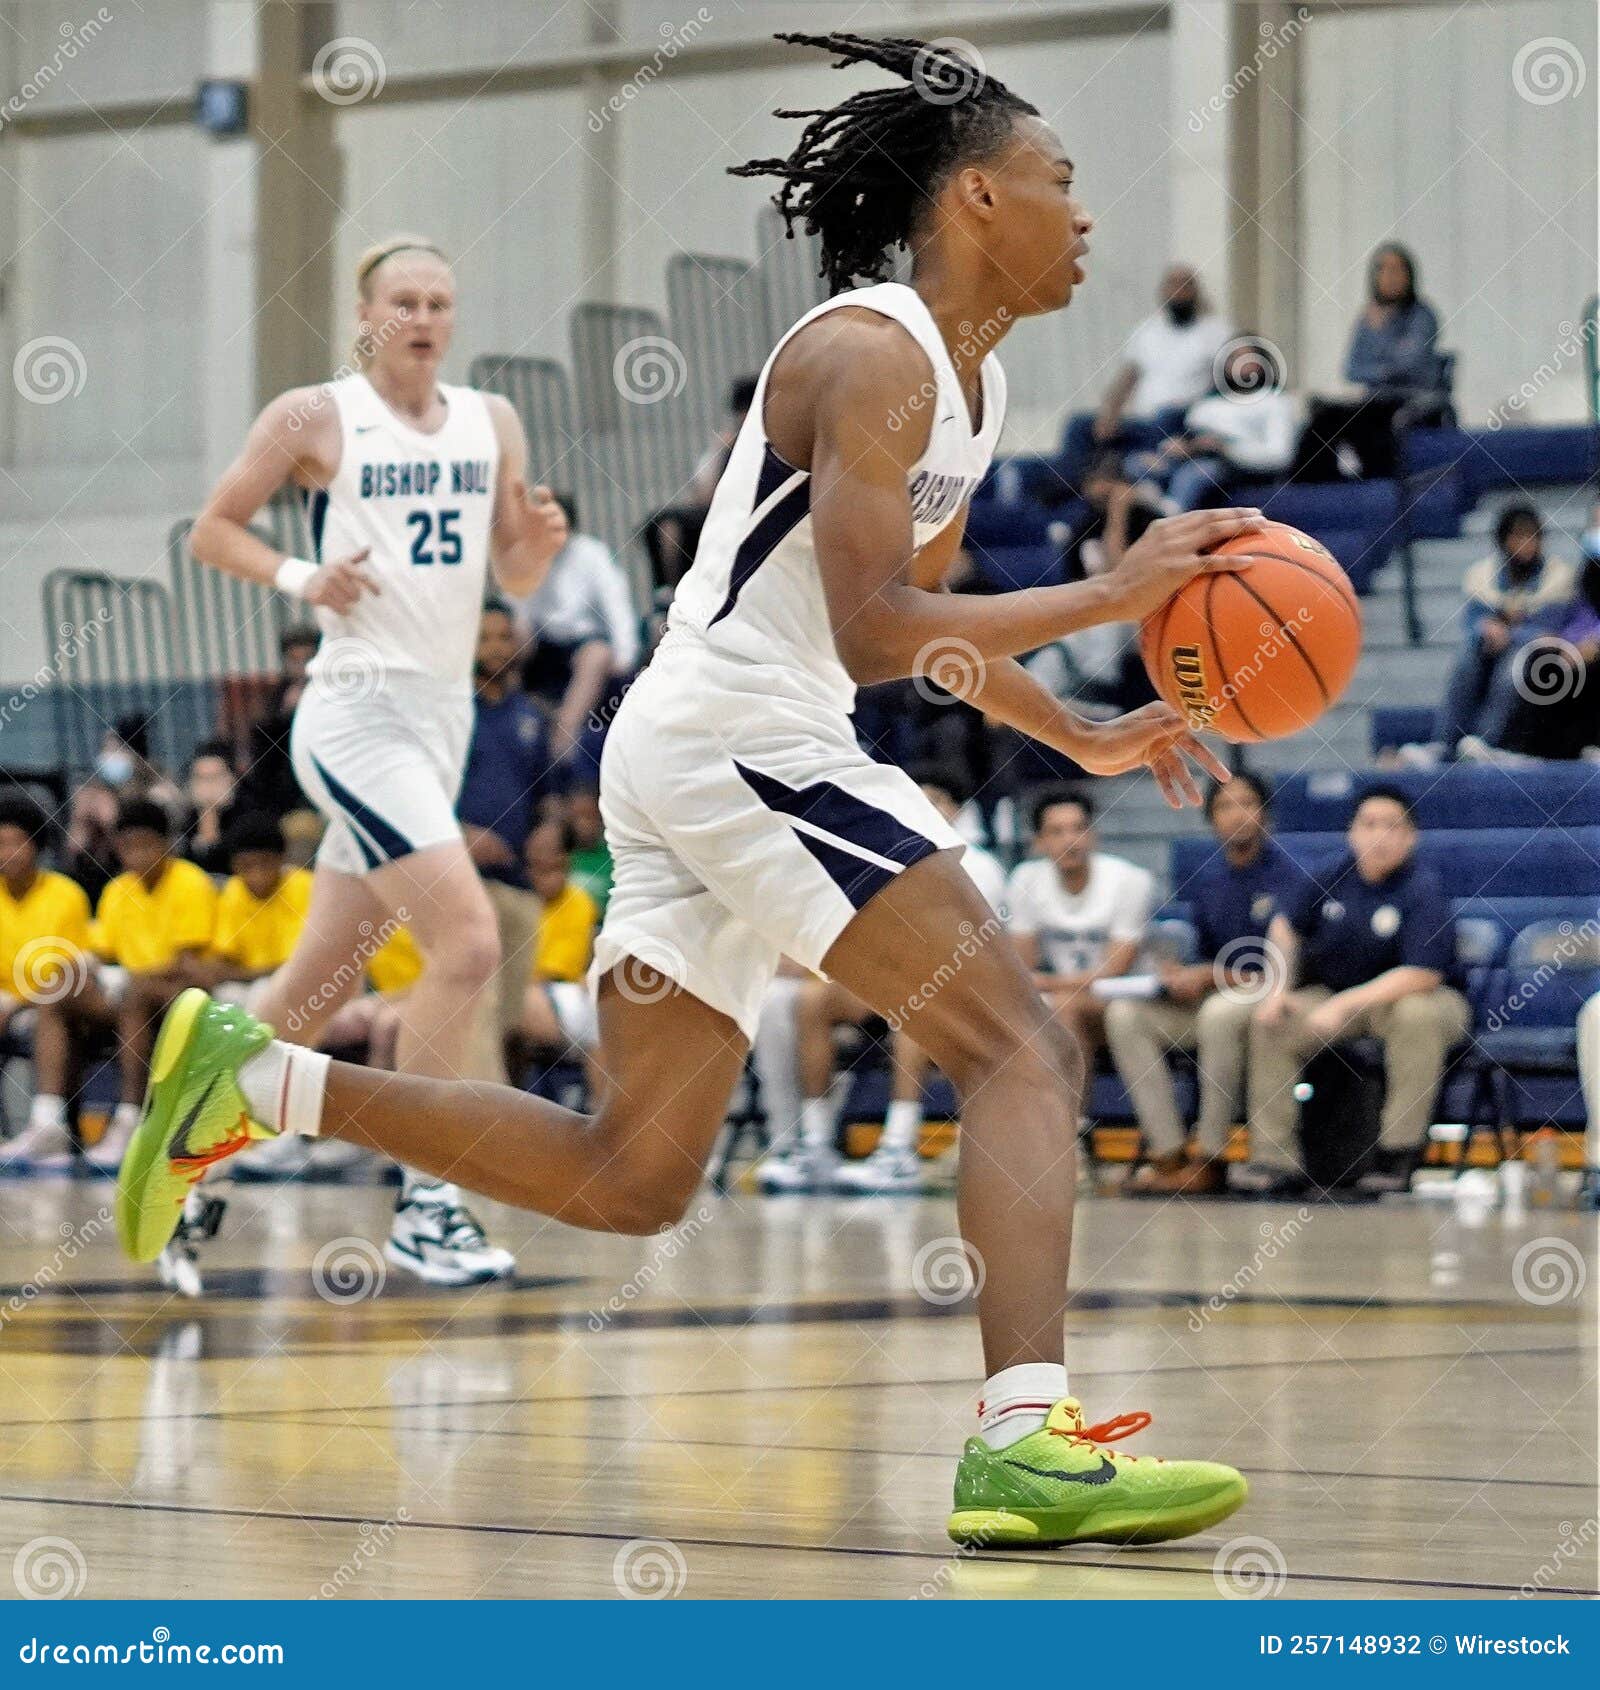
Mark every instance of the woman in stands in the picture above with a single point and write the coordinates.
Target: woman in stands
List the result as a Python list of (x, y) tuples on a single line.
[(412, 487)]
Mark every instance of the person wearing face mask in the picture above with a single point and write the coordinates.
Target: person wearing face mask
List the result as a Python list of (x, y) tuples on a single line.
[(1509, 596), (1170, 362)]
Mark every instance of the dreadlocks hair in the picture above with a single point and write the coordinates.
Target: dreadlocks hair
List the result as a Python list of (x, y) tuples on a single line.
[(866, 169)]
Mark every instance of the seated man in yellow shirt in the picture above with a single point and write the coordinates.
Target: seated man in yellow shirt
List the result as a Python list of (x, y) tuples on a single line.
[(154, 928), (260, 913), (44, 946), (558, 1010)]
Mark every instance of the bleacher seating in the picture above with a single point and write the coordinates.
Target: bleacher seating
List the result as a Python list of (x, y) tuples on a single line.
[(1459, 795)]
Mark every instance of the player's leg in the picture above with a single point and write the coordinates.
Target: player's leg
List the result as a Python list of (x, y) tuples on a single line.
[(1036, 1473), (61, 1028), (808, 1159), (894, 1169), (220, 1082), (1140, 1033)]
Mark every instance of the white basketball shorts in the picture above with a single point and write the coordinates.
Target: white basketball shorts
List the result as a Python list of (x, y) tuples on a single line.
[(382, 764), (743, 826)]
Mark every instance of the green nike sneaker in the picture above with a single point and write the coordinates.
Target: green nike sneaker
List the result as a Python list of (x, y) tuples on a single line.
[(194, 1116), (1062, 1485)]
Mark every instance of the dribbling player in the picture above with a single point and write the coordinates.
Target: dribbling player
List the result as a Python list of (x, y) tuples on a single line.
[(745, 822), (412, 487)]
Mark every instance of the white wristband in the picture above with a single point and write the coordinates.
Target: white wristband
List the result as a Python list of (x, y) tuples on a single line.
[(293, 574)]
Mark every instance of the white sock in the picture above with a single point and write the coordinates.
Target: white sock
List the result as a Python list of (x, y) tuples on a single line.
[(1018, 1400), (125, 1117), (901, 1124), (816, 1123), (48, 1111), (284, 1086)]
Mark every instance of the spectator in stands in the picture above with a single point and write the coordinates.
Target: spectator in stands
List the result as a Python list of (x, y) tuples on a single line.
[(209, 785), (1509, 597), (269, 783), (1368, 950), (153, 928), (1557, 678), (582, 633), (894, 1165), (1077, 914), (1167, 366), (260, 911), (44, 945), (506, 787), (124, 765), (672, 535), (1246, 427), (558, 1009), (1393, 361), (89, 853), (591, 856), (1206, 1005)]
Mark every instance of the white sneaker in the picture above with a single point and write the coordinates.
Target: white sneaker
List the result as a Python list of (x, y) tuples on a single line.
[(42, 1144), (105, 1155), (441, 1242), (798, 1167), (885, 1173)]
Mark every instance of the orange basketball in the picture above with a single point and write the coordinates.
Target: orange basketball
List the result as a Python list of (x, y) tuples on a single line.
[(1259, 653)]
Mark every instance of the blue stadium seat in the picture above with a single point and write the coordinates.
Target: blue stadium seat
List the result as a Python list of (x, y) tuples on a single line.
[(1462, 795), (994, 523), (1393, 725), (1005, 568), (1520, 456), (1472, 863)]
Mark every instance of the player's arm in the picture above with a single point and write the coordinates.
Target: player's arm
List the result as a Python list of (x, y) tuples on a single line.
[(295, 439), (529, 527)]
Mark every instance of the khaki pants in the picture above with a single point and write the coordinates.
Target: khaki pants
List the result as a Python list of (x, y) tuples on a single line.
[(1140, 1032), (1589, 1075), (516, 913), (1416, 1033)]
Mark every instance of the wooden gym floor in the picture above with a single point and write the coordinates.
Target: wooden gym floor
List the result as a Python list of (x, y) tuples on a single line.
[(765, 1406)]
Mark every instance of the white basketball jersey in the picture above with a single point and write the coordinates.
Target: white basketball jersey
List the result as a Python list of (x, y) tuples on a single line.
[(424, 504), (754, 593)]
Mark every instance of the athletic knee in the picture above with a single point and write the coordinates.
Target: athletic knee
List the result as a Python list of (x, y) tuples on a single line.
[(1016, 1047), (469, 958)]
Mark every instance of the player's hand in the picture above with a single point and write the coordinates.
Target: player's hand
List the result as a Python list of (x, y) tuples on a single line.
[(1272, 1011), (534, 519), (1157, 738), (339, 584), (1171, 552)]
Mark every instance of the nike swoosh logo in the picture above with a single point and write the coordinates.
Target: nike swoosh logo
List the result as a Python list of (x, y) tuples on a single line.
[(179, 1149), (1101, 1475)]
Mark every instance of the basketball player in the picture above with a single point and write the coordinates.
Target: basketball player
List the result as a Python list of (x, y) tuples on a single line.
[(411, 487), (746, 822)]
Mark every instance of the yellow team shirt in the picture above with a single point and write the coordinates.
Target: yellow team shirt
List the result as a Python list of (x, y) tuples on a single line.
[(144, 930), (257, 935), (566, 935), (398, 966), (41, 933)]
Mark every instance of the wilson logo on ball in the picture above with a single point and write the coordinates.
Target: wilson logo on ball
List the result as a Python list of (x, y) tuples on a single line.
[(1194, 696)]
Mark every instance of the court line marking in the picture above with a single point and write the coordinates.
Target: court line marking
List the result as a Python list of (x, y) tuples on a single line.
[(884, 1551)]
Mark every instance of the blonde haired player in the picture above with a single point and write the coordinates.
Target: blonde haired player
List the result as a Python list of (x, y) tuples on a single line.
[(412, 488)]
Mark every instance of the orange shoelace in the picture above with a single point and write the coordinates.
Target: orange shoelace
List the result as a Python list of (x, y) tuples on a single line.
[(1109, 1431)]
